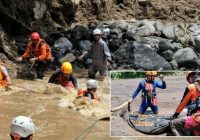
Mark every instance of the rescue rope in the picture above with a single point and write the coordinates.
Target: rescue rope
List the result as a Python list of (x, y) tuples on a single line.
[(120, 106), (89, 128)]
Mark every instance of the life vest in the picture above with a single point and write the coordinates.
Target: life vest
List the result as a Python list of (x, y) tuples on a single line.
[(3, 82), (64, 82), (1, 74), (194, 106), (37, 51), (84, 93), (149, 93)]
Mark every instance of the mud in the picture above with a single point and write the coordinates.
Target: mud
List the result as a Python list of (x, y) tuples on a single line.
[(51, 108)]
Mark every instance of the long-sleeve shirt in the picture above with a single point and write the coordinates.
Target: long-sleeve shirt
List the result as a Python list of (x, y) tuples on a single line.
[(141, 86), (41, 50), (191, 95), (99, 53)]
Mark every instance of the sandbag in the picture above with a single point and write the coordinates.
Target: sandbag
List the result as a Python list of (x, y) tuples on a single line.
[(149, 124)]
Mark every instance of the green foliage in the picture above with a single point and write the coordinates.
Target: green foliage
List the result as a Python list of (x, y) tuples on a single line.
[(137, 74)]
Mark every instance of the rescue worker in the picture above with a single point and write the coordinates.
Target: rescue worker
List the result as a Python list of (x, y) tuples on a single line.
[(100, 54), (91, 90), (41, 54), (190, 79), (190, 123), (22, 128), (148, 87), (63, 76), (4, 76)]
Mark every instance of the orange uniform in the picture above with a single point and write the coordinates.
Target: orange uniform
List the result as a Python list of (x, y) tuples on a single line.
[(3, 82), (192, 95), (41, 50), (84, 93)]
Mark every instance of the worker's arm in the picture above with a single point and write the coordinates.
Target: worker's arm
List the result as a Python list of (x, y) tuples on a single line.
[(184, 102), (107, 53), (135, 93), (54, 76), (74, 81), (161, 84), (28, 51)]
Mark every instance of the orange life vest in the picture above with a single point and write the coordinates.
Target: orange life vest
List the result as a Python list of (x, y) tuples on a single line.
[(63, 82), (150, 93), (84, 92), (3, 82), (42, 51)]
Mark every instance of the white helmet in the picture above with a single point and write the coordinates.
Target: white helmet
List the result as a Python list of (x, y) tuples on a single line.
[(96, 32), (23, 126), (92, 84)]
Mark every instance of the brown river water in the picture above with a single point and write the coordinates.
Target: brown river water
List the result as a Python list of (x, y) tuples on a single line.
[(52, 109)]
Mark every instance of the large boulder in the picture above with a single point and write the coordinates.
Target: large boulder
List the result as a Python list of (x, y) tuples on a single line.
[(197, 43), (169, 32), (167, 55), (80, 32), (145, 28), (140, 56), (114, 44), (61, 47), (123, 25), (84, 45), (194, 29), (186, 58)]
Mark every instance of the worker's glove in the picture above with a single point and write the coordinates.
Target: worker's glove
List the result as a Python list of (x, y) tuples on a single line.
[(129, 107), (174, 116), (161, 77)]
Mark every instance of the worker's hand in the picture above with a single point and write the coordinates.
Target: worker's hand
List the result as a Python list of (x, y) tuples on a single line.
[(175, 116), (18, 59), (161, 77), (32, 60), (80, 57), (129, 107)]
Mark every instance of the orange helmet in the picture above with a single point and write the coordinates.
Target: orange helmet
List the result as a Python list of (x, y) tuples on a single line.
[(66, 68), (35, 35), (152, 73)]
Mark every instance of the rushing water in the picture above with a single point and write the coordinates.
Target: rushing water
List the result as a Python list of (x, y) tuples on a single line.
[(51, 108)]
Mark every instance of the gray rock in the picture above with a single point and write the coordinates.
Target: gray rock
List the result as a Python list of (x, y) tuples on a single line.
[(186, 58), (197, 43), (84, 45), (194, 29), (175, 46), (140, 57), (61, 47), (163, 46), (80, 32), (145, 28), (123, 25), (167, 55), (174, 64), (169, 32)]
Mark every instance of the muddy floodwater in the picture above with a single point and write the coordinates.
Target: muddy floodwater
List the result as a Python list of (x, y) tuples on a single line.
[(51, 108)]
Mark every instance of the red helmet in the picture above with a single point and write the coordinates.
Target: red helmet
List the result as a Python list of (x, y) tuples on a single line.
[(35, 36)]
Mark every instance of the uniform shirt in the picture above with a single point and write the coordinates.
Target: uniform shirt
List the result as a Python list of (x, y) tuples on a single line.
[(141, 86), (56, 74)]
